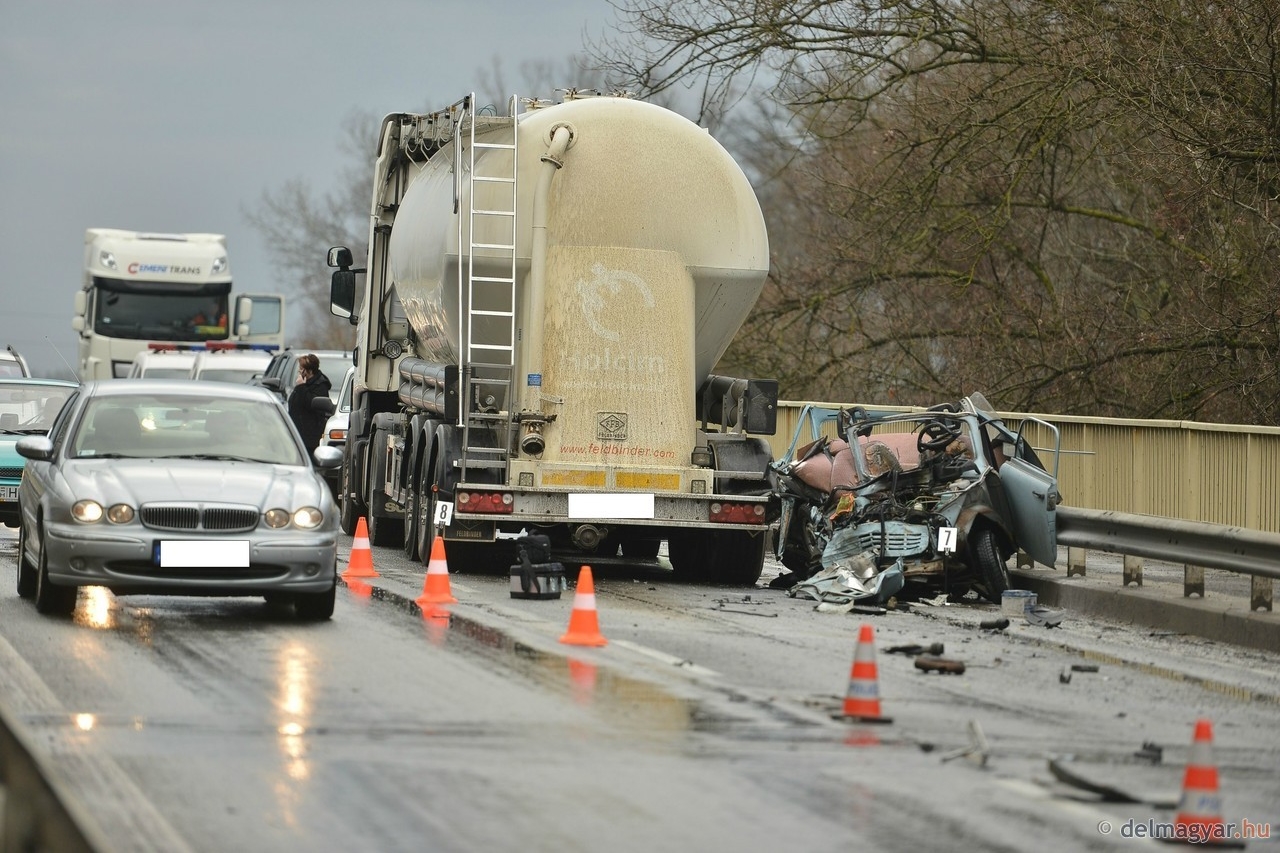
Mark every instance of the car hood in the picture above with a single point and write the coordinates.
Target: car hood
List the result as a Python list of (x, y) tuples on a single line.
[(143, 481)]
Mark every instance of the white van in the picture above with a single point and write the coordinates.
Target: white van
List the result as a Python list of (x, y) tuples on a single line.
[(165, 363), (237, 365)]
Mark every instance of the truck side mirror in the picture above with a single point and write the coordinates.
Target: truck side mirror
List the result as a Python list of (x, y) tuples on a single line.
[(342, 290), (340, 257), (77, 323)]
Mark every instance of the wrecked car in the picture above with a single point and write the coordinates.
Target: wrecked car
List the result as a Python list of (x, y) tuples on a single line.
[(925, 501)]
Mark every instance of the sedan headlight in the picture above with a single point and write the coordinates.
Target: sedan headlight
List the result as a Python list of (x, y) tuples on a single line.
[(120, 514), (276, 518), (89, 512), (308, 517)]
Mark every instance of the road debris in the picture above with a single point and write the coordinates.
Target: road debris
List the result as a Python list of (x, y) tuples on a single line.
[(933, 663), (1066, 770), (998, 624), (978, 750), (746, 599), (915, 649), (1045, 616)]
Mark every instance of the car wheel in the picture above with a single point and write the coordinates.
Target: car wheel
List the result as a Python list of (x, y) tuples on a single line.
[(315, 606), (26, 568), (51, 599), (991, 568)]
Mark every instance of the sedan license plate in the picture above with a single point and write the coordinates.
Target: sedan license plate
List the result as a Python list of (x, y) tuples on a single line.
[(202, 554), (8, 493)]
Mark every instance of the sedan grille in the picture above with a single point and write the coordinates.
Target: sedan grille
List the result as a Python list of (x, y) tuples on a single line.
[(11, 473), (189, 517), (900, 540)]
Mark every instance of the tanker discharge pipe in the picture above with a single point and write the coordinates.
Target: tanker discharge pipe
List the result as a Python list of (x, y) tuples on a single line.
[(532, 442)]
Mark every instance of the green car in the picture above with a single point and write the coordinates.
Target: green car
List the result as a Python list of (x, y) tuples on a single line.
[(27, 407)]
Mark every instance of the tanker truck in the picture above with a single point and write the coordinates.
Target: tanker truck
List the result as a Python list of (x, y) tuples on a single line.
[(545, 296)]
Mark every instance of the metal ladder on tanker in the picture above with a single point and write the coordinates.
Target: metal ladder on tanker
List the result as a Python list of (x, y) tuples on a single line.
[(490, 329)]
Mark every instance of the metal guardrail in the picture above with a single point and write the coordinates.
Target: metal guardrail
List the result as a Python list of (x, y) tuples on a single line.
[(1196, 544)]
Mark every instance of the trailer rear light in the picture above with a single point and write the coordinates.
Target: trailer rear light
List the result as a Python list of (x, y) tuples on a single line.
[(490, 502), (729, 512)]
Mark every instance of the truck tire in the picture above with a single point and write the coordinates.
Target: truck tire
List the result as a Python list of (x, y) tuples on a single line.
[(992, 570), (737, 558), (425, 528), (411, 521), (385, 531), (350, 509)]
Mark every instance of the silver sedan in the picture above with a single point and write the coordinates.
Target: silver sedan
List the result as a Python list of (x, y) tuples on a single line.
[(176, 488)]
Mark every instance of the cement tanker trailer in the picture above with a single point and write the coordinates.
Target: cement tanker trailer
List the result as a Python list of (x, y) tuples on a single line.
[(545, 297)]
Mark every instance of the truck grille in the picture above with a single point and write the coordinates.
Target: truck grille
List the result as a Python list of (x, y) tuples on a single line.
[(187, 517)]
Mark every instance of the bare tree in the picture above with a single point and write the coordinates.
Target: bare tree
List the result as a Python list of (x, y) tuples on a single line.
[(1070, 205)]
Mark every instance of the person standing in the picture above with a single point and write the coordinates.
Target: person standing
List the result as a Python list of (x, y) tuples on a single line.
[(312, 384)]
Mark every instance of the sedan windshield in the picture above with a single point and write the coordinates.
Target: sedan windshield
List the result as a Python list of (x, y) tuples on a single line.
[(172, 426)]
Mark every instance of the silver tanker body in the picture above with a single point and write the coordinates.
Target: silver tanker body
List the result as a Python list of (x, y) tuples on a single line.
[(583, 266)]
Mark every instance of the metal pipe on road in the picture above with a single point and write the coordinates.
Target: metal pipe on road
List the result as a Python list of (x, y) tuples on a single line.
[(1199, 543)]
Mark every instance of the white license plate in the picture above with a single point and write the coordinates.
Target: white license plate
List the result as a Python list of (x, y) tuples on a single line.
[(203, 554), (8, 493)]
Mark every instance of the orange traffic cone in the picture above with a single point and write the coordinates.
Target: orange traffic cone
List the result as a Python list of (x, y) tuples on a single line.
[(862, 702), (1199, 817), (435, 588), (584, 627), (360, 564)]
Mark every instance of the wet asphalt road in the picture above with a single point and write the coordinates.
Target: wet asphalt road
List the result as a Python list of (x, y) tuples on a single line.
[(708, 722)]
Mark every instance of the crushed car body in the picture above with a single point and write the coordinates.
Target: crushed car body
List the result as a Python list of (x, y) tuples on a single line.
[(913, 502)]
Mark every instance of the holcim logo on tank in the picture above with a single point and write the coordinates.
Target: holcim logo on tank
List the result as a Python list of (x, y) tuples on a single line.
[(136, 268), (594, 297)]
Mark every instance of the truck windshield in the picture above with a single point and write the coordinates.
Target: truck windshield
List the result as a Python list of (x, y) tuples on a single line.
[(160, 315)]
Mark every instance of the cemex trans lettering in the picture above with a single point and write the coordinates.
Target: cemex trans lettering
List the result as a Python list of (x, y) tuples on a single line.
[(1195, 833), (162, 269)]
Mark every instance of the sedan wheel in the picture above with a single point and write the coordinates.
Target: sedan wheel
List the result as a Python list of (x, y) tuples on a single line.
[(992, 570), (26, 569), (315, 606), (51, 599)]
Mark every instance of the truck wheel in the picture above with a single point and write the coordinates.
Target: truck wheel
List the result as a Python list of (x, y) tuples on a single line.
[(426, 528), (690, 555), (350, 515), (384, 531), (411, 522), (737, 558), (991, 568)]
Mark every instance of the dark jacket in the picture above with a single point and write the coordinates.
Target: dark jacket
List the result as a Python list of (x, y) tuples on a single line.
[(309, 422)]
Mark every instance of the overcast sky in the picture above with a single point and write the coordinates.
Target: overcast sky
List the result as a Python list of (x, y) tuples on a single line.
[(174, 115)]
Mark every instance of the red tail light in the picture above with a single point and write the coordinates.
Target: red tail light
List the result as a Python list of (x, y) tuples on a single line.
[(729, 512), (497, 503)]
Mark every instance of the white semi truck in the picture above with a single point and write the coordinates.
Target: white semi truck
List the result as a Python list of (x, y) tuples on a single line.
[(145, 288), (545, 296)]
